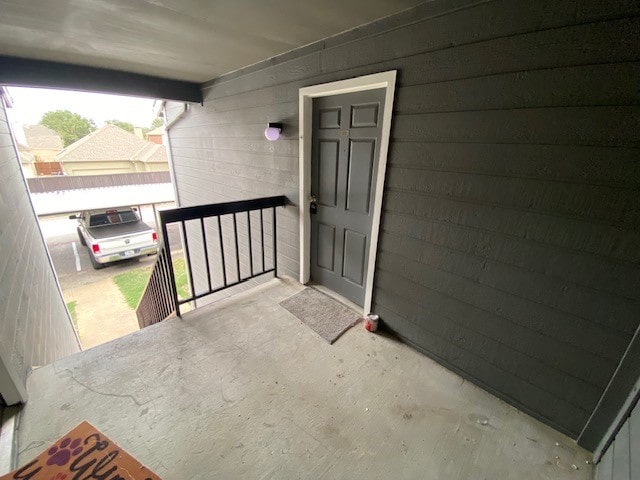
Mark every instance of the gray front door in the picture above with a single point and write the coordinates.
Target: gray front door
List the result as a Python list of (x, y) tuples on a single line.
[(344, 163)]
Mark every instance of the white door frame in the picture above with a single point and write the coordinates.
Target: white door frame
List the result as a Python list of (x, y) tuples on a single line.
[(386, 80)]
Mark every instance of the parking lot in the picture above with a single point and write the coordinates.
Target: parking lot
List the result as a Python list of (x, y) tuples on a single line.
[(71, 259), (100, 310)]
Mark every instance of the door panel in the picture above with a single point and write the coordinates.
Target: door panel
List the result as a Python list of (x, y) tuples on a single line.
[(328, 173), (364, 115), (361, 158), (329, 118), (326, 245), (344, 163), (353, 258)]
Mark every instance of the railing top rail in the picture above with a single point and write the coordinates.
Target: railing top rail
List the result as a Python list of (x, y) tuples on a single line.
[(204, 211)]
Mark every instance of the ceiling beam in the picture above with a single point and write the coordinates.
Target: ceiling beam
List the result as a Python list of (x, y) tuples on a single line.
[(23, 72)]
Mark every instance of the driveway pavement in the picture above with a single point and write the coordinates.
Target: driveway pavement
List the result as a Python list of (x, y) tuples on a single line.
[(102, 313)]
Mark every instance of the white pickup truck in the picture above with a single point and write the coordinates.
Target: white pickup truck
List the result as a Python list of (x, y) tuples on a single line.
[(115, 234)]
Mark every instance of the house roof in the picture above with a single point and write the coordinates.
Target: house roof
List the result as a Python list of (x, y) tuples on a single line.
[(191, 41), (111, 144), (26, 157), (41, 137), (151, 153)]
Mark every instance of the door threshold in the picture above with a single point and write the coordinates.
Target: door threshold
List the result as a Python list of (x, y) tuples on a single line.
[(336, 296)]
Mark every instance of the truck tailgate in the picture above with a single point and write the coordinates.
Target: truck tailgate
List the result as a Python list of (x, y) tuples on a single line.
[(118, 230), (125, 237)]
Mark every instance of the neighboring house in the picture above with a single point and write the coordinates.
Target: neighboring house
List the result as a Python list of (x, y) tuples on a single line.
[(110, 150), (27, 161), (474, 172), (155, 135), (43, 142)]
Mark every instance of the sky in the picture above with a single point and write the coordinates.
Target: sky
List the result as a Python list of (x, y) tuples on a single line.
[(29, 104)]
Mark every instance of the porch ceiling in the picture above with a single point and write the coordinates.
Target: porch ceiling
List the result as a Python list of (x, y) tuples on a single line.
[(189, 40), (242, 389)]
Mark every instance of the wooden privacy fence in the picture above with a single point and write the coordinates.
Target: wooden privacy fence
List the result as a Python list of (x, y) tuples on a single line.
[(76, 182)]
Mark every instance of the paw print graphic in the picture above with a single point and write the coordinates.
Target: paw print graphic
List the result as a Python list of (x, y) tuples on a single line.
[(60, 455), (59, 476)]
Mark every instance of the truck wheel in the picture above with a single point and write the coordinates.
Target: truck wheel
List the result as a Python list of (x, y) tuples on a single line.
[(83, 242), (95, 264)]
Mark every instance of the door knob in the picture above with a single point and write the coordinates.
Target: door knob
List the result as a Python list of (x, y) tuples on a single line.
[(313, 205)]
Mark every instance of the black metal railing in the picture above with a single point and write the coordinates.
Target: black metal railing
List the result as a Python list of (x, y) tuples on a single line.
[(225, 220), (157, 302)]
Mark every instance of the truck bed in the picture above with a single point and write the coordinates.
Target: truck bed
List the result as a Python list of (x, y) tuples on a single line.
[(118, 230)]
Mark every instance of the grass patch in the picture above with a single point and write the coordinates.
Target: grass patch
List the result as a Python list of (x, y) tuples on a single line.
[(132, 283), (72, 310), (182, 283)]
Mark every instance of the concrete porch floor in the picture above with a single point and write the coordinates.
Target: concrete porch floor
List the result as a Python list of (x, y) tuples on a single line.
[(242, 389)]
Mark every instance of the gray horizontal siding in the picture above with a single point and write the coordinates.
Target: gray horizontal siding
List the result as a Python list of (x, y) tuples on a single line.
[(562, 231), (35, 328), (621, 460), (595, 125), (508, 246)]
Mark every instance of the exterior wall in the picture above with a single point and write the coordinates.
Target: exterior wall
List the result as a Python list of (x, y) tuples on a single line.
[(621, 460), (35, 328), (622, 392), (509, 235)]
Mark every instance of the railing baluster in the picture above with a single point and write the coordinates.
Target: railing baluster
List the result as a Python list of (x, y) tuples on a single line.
[(235, 236), (275, 248), (262, 240), (224, 262), (163, 278), (163, 281), (159, 277), (169, 278), (160, 292), (172, 278), (157, 290), (206, 252), (188, 258), (224, 267), (250, 246), (155, 306)]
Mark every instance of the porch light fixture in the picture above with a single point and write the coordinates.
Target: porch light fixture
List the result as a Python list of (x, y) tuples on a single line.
[(273, 131)]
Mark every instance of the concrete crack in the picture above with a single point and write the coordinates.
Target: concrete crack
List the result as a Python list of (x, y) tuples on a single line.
[(107, 394), (34, 444)]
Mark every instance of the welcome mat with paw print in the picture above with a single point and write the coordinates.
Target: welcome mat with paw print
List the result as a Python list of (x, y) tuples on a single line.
[(85, 453)]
